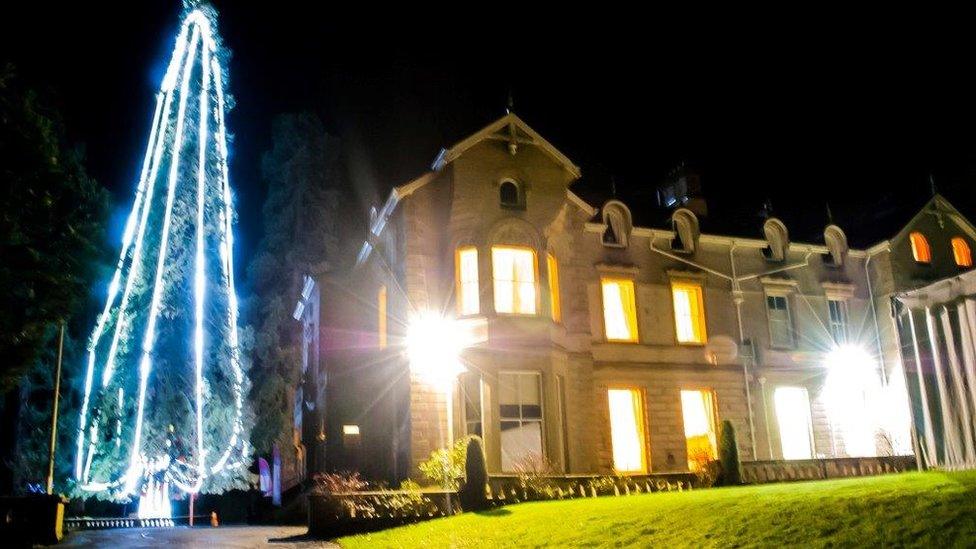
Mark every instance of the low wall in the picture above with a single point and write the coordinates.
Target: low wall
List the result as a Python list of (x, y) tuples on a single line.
[(761, 472)]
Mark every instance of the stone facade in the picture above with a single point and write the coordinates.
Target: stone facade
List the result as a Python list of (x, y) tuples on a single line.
[(412, 251)]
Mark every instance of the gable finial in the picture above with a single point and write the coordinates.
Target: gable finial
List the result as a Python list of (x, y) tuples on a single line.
[(932, 185), (613, 186), (830, 215), (510, 106)]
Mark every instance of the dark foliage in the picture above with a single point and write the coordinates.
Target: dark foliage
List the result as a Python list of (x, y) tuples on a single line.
[(302, 172), (52, 227), (472, 493), (728, 455)]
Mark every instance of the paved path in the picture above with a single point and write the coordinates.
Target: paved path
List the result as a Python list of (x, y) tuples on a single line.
[(284, 537)]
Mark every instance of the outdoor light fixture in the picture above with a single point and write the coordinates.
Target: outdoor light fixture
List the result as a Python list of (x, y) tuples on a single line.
[(853, 394), (434, 346)]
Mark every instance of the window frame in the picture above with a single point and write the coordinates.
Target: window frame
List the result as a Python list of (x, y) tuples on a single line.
[(542, 412), (642, 425), (552, 272), (519, 203), (716, 420), (843, 323), (382, 317), (962, 253), (636, 320), (921, 249), (459, 283), (809, 417), (535, 280), (702, 324), (785, 296)]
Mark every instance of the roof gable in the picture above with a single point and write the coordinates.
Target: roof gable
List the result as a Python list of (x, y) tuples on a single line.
[(939, 206), (516, 132)]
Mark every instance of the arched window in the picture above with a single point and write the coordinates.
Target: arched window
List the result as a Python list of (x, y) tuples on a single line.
[(961, 252), (920, 248), (508, 194), (686, 230), (836, 242)]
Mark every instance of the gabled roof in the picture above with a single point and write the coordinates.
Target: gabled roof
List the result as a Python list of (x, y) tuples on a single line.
[(938, 205), (509, 128)]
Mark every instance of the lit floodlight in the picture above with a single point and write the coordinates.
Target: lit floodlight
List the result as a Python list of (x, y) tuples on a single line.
[(853, 396), (434, 346)]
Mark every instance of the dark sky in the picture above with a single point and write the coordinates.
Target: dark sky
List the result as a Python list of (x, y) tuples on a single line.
[(854, 108)]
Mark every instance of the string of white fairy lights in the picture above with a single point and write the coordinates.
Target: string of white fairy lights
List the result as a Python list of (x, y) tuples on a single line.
[(187, 477)]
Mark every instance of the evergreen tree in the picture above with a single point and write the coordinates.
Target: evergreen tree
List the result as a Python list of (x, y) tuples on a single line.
[(303, 175), (729, 456), (165, 385), (472, 494), (52, 234)]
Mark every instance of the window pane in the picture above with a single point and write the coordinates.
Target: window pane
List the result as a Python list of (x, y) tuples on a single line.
[(381, 317), (780, 326), (793, 415), (698, 411), (619, 310), (521, 445), (529, 388), (513, 271), (689, 313), (467, 275), (553, 271), (627, 430)]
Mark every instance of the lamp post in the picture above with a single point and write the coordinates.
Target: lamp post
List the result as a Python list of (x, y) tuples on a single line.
[(54, 414)]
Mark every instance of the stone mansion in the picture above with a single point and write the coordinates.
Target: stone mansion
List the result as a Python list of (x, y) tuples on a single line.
[(589, 343)]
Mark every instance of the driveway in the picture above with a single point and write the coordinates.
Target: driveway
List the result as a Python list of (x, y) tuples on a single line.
[(284, 537)]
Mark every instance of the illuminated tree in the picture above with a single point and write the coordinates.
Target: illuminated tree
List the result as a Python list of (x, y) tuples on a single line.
[(165, 385)]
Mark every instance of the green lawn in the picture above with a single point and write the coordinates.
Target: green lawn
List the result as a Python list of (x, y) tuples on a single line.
[(919, 509)]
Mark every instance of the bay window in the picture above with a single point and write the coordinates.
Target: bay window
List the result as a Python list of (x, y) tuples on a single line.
[(466, 274), (520, 412), (514, 274)]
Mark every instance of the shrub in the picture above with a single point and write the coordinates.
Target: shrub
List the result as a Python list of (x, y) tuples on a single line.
[(472, 495), (728, 455), (534, 472), (337, 483), (445, 467)]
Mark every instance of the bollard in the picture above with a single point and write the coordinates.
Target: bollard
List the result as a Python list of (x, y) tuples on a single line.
[(213, 519)]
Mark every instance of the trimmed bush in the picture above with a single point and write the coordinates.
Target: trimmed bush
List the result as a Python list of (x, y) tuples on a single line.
[(472, 493), (728, 456)]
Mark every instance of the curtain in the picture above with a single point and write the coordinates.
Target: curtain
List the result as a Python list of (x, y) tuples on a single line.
[(619, 310)]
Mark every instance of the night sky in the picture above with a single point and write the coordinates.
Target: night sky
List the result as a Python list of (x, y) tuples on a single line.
[(855, 109)]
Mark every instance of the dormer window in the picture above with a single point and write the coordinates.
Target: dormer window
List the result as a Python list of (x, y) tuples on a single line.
[(920, 248), (961, 252), (616, 218), (836, 242), (686, 231), (778, 239), (510, 195)]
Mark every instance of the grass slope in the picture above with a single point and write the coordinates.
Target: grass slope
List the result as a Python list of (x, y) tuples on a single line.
[(918, 509)]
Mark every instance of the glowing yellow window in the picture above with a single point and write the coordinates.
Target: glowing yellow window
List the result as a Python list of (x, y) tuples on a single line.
[(627, 430), (619, 309), (468, 300), (514, 273), (961, 252), (553, 287), (381, 317), (920, 248), (689, 312), (698, 412)]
